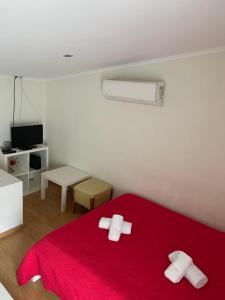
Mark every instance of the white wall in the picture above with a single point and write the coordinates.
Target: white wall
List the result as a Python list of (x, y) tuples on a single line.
[(174, 154), (30, 106)]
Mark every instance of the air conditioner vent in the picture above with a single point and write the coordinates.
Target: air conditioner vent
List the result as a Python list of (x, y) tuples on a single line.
[(146, 92)]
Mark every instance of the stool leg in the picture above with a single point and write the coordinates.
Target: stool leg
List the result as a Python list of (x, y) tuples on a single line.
[(92, 203), (74, 207), (111, 194), (74, 202)]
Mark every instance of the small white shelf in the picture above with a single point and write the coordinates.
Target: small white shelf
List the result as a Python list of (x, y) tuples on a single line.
[(30, 177), (37, 171), (18, 173), (34, 182), (24, 179)]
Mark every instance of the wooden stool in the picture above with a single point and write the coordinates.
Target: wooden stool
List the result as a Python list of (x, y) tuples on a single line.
[(91, 193)]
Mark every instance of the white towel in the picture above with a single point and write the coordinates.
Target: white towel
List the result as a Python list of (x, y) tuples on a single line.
[(115, 228), (193, 274), (104, 223), (176, 271)]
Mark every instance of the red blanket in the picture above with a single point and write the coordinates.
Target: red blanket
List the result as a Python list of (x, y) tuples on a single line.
[(77, 261)]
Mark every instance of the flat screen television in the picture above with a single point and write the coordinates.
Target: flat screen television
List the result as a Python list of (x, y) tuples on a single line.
[(24, 137)]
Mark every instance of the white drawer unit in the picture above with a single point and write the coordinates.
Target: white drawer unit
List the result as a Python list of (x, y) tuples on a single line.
[(11, 203), (4, 295)]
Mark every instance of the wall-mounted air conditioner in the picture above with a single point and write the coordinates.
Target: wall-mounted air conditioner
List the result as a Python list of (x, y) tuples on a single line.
[(145, 92)]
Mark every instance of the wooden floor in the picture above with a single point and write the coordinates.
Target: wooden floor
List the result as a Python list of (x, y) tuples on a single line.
[(40, 218)]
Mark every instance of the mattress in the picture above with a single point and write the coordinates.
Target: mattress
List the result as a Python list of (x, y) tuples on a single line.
[(78, 261)]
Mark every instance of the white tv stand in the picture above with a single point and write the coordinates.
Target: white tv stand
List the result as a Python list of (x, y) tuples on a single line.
[(31, 178)]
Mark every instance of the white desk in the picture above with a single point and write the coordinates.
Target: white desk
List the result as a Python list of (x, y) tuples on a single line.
[(64, 176)]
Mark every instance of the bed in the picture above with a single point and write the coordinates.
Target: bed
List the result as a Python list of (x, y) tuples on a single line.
[(78, 261)]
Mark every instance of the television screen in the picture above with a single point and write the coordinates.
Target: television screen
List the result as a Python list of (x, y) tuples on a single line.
[(26, 136)]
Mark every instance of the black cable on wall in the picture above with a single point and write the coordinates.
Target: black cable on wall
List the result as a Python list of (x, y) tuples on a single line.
[(14, 98)]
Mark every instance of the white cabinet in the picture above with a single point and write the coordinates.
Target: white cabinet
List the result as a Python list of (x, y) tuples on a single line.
[(18, 164), (11, 203)]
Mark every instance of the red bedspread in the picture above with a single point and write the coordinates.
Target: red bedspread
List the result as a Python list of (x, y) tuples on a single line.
[(77, 261)]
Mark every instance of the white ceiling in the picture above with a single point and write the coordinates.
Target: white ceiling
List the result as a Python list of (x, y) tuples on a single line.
[(35, 34)]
